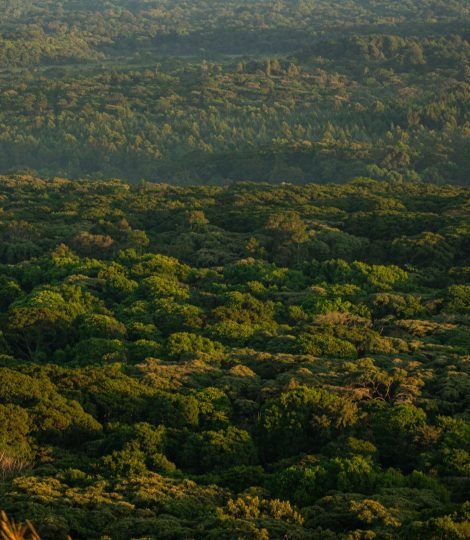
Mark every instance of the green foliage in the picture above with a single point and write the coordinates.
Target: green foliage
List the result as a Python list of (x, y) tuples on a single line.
[(303, 418), (15, 426), (217, 450), (210, 92), (183, 343), (215, 381), (326, 345), (458, 298), (101, 326)]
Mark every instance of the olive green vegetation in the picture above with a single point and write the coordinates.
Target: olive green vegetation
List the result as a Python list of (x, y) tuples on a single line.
[(242, 362), (211, 91), (249, 356)]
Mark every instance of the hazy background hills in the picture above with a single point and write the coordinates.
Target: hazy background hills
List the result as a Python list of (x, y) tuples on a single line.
[(218, 91)]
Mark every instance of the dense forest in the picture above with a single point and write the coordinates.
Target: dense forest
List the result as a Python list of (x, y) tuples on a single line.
[(242, 362), (234, 270), (215, 91)]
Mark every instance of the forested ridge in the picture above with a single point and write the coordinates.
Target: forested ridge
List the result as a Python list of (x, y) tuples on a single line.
[(214, 91), (241, 362)]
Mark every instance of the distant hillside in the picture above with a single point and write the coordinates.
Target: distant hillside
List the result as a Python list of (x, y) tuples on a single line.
[(211, 92)]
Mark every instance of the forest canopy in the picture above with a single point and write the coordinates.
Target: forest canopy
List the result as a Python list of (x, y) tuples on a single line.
[(234, 270), (213, 91), (235, 362)]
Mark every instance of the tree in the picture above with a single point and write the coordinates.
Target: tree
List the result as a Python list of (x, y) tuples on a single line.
[(302, 419), (15, 428), (287, 228), (217, 450), (197, 220), (183, 343)]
